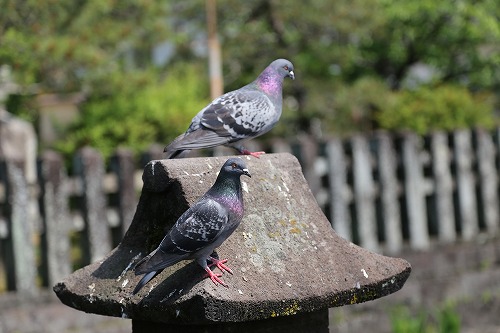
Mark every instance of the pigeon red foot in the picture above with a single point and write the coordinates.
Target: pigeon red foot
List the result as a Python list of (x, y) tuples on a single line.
[(220, 265), (254, 154), (215, 277)]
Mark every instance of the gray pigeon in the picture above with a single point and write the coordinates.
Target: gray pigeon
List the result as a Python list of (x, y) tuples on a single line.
[(201, 228), (238, 115)]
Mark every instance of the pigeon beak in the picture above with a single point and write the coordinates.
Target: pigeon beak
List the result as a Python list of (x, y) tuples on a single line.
[(246, 173), (291, 74)]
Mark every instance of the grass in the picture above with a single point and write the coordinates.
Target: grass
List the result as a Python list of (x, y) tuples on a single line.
[(444, 319)]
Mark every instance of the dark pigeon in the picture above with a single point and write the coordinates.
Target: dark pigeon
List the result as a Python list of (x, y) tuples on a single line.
[(202, 228), (238, 115)]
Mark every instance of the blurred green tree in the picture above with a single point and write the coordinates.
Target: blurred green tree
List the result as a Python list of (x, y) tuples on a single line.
[(145, 109), (104, 48), (362, 49), (358, 62), (445, 107), (66, 46), (351, 55), (458, 40)]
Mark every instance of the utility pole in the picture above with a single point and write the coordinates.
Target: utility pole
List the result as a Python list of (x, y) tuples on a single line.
[(214, 52)]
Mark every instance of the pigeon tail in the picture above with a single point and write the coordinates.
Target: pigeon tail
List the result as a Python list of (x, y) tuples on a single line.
[(197, 139), (172, 150), (171, 154), (157, 260), (145, 279), (153, 264)]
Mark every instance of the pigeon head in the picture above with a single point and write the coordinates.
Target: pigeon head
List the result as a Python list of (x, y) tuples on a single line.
[(284, 68), (235, 166), (270, 81)]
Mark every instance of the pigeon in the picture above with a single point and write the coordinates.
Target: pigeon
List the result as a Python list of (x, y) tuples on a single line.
[(238, 115), (202, 228)]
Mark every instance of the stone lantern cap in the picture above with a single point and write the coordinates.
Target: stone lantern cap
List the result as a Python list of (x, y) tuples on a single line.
[(285, 256)]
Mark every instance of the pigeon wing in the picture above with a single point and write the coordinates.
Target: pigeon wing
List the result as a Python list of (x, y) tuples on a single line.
[(196, 229), (201, 227), (239, 114), (200, 138)]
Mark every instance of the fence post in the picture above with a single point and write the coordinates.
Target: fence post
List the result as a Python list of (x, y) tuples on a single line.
[(308, 156), (488, 181), (415, 192), (55, 199), (389, 193), (364, 193), (340, 195), (443, 186), (467, 207), (122, 163), (154, 152), (21, 229), (280, 146), (89, 168)]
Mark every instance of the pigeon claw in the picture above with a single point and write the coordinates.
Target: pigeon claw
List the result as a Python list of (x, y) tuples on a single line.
[(220, 265), (215, 277), (254, 154)]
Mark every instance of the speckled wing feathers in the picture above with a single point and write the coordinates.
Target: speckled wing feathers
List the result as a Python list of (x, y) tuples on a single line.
[(197, 228), (240, 114)]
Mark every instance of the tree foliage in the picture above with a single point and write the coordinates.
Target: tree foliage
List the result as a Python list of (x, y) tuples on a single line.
[(360, 64), (350, 56), (71, 45), (144, 109), (430, 108), (459, 39)]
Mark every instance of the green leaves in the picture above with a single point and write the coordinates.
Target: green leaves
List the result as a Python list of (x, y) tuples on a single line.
[(141, 109), (443, 107), (63, 45), (354, 61)]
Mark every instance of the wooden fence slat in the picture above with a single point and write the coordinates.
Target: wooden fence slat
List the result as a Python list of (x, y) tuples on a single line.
[(339, 192), (488, 181), (123, 166), (389, 193), (464, 196), (443, 186), (22, 231), (414, 185), (90, 168), (6, 252), (154, 152), (308, 155), (466, 192), (55, 197), (364, 193), (280, 146)]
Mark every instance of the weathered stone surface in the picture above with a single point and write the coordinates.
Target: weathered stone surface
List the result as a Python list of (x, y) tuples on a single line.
[(285, 256)]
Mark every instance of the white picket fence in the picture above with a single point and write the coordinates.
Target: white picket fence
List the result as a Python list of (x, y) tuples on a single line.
[(383, 191), (388, 191)]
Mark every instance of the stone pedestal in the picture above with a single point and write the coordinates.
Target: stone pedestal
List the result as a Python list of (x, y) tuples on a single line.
[(286, 258)]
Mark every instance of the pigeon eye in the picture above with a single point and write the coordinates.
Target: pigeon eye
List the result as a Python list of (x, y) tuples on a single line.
[(286, 68), (234, 165)]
